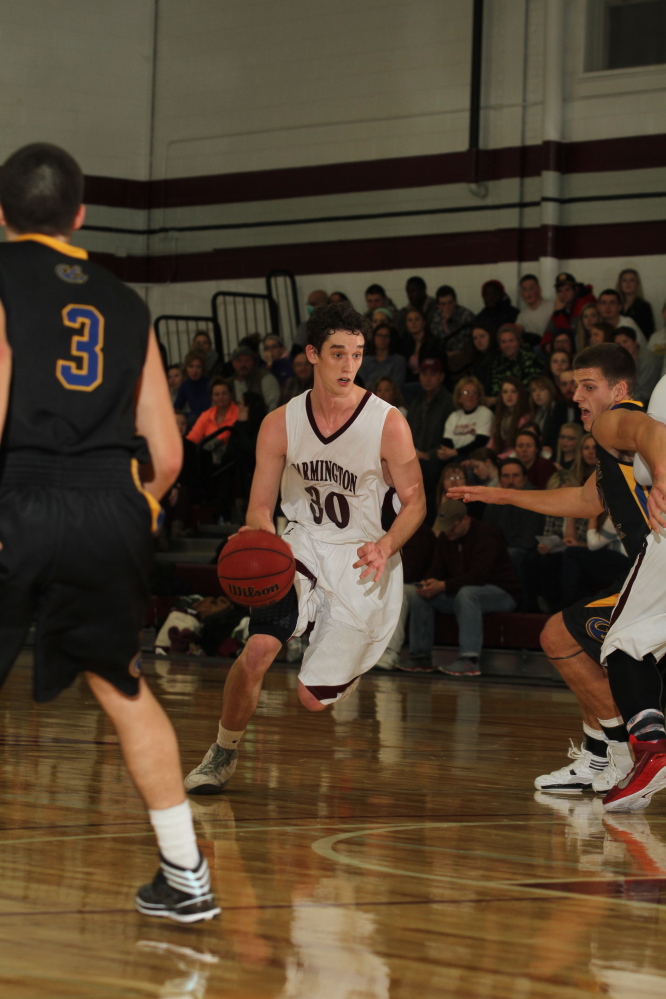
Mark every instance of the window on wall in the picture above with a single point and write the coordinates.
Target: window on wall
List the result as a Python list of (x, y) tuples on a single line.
[(625, 33)]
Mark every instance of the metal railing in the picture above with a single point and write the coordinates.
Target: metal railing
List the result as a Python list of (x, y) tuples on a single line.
[(178, 332), (239, 314), (281, 286)]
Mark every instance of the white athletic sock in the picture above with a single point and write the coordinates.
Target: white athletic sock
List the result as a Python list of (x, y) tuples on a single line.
[(175, 834), (595, 733), (227, 739)]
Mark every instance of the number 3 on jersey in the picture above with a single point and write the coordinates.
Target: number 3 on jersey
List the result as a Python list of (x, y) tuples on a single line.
[(85, 372)]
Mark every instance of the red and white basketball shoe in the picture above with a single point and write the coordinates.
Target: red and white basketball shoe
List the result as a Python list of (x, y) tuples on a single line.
[(646, 777)]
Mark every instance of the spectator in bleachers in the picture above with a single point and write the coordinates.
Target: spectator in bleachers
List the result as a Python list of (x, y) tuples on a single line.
[(563, 341), (610, 310), (184, 490), (417, 298), (558, 362), (497, 308), (589, 316), (657, 342), (247, 377), (426, 416), (376, 298), (203, 343), (388, 390), (537, 312), (544, 410), (470, 425), (571, 298), (454, 475), (381, 357), (483, 465), (223, 413), (511, 411), (519, 528), (587, 568), (569, 438), (601, 332), (634, 304), (418, 345), (585, 462), (380, 316), (277, 358), (470, 575), (314, 300), (648, 365), (538, 469), (336, 297), (175, 379), (513, 359), (301, 380), (566, 410), (452, 326), (484, 340), (194, 392)]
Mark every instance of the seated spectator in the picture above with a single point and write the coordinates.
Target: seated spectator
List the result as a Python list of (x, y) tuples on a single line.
[(585, 462), (511, 411), (483, 465), (537, 312), (184, 490), (454, 475), (558, 362), (648, 365), (301, 381), (657, 342), (563, 342), (519, 528), (587, 568), (212, 361), (276, 358), (336, 297), (417, 298), (569, 438), (601, 332), (207, 431), (247, 377), (543, 411), (589, 316), (376, 298), (497, 308), (610, 310), (470, 424), (634, 305), (194, 392), (484, 340), (381, 357), (381, 316), (539, 470), (426, 416), (571, 298), (471, 575), (566, 410), (388, 390), (513, 360), (314, 300), (418, 345), (452, 326), (175, 379)]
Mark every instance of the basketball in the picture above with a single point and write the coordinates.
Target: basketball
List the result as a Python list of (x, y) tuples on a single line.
[(256, 568)]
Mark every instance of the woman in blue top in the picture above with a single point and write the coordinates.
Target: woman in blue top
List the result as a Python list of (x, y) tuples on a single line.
[(194, 392), (382, 359)]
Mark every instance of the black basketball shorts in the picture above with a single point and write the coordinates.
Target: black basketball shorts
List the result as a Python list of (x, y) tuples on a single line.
[(587, 621), (76, 557)]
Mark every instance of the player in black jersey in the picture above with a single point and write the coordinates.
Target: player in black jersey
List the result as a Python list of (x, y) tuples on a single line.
[(572, 640), (82, 390)]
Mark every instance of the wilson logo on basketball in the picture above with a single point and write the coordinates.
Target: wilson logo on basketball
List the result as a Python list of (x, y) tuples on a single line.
[(251, 591)]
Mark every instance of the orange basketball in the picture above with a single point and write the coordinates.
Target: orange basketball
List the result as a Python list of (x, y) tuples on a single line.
[(256, 568)]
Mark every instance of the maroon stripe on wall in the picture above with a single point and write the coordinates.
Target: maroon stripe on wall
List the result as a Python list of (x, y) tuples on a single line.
[(352, 256), (634, 152)]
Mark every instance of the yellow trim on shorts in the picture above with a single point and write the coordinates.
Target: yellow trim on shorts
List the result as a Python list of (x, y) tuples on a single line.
[(153, 505), (605, 601)]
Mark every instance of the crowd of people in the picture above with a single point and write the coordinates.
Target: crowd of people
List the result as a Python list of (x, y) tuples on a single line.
[(488, 398)]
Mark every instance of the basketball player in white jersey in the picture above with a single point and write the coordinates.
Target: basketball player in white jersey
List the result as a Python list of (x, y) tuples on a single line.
[(334, 454)]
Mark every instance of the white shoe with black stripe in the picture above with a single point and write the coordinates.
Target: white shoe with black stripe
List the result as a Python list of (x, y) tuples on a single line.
[(575, 777), (179, 894)]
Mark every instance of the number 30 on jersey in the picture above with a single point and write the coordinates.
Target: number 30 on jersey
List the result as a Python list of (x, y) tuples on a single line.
[(84, 373)]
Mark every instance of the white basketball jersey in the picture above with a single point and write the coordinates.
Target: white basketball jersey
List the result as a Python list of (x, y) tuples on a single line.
[(334, 485)]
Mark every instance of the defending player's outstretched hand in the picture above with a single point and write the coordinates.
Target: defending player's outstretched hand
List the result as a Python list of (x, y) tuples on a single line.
[(474, 494), (372, 556)]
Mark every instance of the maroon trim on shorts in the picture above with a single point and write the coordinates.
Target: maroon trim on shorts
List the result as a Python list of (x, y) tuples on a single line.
[(619, 606), (346, 426), (322, 693), (304, 571)]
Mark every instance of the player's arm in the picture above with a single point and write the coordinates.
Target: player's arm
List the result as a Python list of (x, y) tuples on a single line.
[(572, 501), (271, 456), (5, 370), (156, 422), (405, 474), (628, 430)]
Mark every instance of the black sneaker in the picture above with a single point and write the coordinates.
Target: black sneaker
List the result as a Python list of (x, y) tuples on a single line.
[(419, 664), (179, 894)]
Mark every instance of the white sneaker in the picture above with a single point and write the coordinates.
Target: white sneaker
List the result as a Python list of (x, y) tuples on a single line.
[(576, 777), (620, 762), (214, 771)]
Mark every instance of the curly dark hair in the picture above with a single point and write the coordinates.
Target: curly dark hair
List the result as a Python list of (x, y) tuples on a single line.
[(341, 316)]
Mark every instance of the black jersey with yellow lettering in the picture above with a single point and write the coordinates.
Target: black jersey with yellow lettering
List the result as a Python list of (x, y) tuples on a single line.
[(78, 337), (624, 499)]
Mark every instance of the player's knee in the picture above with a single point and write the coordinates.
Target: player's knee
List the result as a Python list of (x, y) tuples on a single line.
[(555, 638), (308, 699), (259, 653)]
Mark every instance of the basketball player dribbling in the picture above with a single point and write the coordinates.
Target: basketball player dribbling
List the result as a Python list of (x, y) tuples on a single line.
[(80, 378), (333, 454)]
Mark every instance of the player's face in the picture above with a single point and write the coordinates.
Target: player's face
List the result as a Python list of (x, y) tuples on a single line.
[(594, 395), (338, 361), (530, 291)]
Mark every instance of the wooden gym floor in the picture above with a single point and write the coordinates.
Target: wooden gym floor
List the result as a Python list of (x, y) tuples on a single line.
[(393, 847)]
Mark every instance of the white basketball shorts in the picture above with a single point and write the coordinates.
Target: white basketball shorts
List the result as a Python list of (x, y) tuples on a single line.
[(638, 623)]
